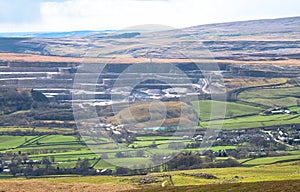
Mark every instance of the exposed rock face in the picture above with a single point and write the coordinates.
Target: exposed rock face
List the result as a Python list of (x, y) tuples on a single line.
[(233, 46), (56, 80)]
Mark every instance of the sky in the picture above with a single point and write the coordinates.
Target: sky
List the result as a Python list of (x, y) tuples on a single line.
[(74, 15)]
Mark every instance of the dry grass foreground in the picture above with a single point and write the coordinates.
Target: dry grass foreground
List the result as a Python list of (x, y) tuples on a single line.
[(266, 186), (43, 186), (16, 57)]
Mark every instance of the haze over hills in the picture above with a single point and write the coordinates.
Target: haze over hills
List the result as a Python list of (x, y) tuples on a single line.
[(251, 27), (51, 34), (274, 39)]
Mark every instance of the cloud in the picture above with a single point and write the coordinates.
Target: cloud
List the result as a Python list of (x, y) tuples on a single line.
[(65, 15), (19, 11), (152, 0), (113, 14)]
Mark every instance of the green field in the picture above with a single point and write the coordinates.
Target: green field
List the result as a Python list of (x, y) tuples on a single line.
[(233, 109), (271, 160), (254, 121), (66, 150), (274, 172), (38, 130), (244, 179), (8, 141), (277, 97), (246, 111)]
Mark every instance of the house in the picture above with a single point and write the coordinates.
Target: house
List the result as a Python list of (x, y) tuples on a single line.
[(7, 162), (284, 139), (186, 137), (6, 170), (277, 112), (104, 172), (280, 133), (198, 138)]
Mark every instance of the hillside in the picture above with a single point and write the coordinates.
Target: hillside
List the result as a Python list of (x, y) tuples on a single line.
[(271, 178), (12, 99), (83, 104), (257, 40), (168, 114), (30, 108), (248, 55)]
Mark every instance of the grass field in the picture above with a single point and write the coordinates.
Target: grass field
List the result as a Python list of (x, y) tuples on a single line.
[(278, 97), (235, 83), (273, 172), (245, 113), (44, 186), (259, 178), (40, 130), (8, 141), (254, 121), (270, 160), (267, 186), (242, 114), (233, 109), (66, 150)]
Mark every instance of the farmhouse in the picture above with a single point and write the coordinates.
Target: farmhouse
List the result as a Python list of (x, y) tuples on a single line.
[(6, 170), (278, 110)]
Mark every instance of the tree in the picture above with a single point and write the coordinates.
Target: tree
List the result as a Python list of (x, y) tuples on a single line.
[(176, 145), (52, 159), (153, 145), (82, 166), (46, 161), (230, 114), (28, 170), (119, 154), (231, 163), (185, 161), (140, 153), (14, 169), (78, 137), (104, 156), (259, 142), (122, 170)]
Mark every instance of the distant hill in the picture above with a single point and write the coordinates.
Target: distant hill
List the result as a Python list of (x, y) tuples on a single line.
[(257, 40), (281, 26), (51, 34)]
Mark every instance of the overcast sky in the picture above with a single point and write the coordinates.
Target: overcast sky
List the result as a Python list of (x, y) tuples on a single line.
[(67, 15)]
